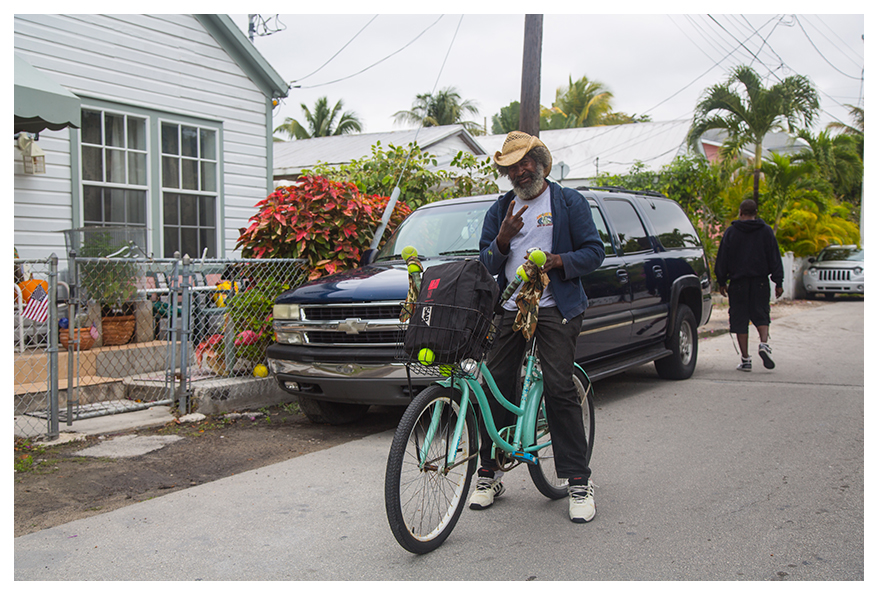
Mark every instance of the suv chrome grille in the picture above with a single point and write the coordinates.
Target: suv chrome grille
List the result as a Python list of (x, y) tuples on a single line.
[(343, 312), (356, 325), (834, 275)]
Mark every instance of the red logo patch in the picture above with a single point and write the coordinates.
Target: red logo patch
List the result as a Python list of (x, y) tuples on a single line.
[(433, 285)]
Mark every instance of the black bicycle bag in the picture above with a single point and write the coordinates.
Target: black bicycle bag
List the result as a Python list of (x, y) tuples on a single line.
[(453, 313)]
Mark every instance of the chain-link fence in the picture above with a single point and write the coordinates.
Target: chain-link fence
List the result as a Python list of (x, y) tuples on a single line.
[(135, 332), (38, 365)]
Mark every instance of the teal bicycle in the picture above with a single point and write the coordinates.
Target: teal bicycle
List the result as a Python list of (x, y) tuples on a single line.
[(435, 448)]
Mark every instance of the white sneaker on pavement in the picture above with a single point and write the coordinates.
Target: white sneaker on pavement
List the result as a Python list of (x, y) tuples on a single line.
[(581, 505)]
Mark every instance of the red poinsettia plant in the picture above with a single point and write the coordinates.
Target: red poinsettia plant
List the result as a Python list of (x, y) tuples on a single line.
[(328, 223)]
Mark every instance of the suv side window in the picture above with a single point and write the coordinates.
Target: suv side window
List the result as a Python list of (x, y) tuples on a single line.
[(603, 230), (673, 228), (627, 222)]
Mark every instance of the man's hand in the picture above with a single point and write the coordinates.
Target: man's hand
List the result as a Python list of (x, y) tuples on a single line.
[(778, 291), (553, 261), (722, 291), (511, 225)]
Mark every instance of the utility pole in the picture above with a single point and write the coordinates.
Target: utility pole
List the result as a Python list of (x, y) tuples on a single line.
[(529, 116)]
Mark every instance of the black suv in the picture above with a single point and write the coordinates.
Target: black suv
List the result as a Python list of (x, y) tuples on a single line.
[(337, 336)]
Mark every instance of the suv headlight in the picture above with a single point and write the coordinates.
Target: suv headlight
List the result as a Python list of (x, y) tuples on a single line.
[(858, 271), (286, 312)]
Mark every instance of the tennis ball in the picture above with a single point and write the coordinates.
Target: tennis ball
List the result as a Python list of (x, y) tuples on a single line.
[(408, 252), (538, 257), (521, 274), (413, 268), (260, 371), (446, 370), (426, 356)]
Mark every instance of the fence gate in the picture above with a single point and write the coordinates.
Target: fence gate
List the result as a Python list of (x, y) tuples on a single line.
[(133, 333)]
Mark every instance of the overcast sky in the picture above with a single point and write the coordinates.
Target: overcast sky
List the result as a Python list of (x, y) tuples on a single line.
[(653, 64)]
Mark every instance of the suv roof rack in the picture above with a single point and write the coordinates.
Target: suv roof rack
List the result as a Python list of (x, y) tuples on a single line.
[(621, 189)]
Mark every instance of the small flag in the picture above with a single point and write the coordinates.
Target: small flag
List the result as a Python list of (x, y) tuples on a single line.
[(38, 305), (94, 332)]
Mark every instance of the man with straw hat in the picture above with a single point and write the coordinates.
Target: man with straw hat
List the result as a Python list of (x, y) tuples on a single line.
[(538, 213)]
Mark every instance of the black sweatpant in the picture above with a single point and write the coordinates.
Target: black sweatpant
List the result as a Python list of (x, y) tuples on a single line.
[(556, 344)]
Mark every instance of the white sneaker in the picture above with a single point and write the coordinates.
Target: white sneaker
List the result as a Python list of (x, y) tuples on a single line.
[(581, 505), (487, 488), (765, 354)]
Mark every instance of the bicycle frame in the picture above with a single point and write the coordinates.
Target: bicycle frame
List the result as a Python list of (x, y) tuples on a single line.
[(523, 446)]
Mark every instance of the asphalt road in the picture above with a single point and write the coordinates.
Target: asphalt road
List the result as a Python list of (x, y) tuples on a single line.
[(726, 476)]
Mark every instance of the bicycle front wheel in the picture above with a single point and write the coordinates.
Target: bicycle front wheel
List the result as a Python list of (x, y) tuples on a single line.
[(543, 474), (423, 494)]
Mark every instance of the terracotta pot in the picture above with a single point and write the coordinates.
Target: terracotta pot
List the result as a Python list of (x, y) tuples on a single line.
[(85, 339), (117, 330)]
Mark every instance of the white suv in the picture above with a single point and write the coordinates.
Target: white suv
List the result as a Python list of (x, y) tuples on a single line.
[(837, 269)]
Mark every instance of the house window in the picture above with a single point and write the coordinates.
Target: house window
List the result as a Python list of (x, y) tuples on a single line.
[(189, 189), (114, 169)]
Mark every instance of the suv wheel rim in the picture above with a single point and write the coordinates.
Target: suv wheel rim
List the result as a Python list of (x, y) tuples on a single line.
[(685, 343)]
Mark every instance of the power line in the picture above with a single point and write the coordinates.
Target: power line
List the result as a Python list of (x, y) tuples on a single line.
[(376, 63), (841, 39), (808, 37), (339, 51)]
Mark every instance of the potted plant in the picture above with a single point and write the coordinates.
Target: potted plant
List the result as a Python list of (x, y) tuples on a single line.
[(81, 330), (111, 284)]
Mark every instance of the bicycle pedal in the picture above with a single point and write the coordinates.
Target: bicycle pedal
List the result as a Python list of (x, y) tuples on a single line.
[(524, 456)]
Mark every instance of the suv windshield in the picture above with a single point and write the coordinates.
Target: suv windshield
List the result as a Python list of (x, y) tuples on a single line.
[(446, 231), (855, 254)]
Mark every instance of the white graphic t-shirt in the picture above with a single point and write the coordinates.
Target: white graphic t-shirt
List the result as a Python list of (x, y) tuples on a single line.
[(536, 233)]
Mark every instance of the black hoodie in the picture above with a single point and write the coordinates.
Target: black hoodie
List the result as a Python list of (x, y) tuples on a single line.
[(748, 249)]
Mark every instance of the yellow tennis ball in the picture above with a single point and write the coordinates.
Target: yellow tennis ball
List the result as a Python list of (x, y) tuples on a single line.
[(413, 268), (521, 273), (446, 370), (426, 356), (260, 371), (408, 252), (538, 257)]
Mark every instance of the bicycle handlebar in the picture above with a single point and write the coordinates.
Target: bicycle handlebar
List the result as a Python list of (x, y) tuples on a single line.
[(534, 255)]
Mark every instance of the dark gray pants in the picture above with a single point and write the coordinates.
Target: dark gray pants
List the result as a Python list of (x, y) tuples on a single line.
[(556, 343)]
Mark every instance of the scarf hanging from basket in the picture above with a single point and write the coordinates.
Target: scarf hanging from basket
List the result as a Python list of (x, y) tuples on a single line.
[(528, 300), (414, 288)]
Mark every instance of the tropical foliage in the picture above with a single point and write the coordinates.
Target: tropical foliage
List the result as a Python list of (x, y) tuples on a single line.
[(507, 120), (318, 219), (443, 108), (321, 121), (746, 110), (580, 104), (416, 173)]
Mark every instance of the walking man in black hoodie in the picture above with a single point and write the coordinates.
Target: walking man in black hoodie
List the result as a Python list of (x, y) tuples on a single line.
[(748, 255)]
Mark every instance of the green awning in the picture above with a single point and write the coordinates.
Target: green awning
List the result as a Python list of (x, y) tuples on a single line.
[(42, 103)]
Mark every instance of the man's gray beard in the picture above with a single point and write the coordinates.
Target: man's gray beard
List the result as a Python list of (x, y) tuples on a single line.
[(529, 191)]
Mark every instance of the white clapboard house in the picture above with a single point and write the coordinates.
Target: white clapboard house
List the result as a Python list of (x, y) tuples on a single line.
[(161, 123)]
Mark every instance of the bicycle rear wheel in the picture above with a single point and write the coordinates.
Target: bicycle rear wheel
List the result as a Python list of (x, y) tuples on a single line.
[(543, 474), (424, 502)]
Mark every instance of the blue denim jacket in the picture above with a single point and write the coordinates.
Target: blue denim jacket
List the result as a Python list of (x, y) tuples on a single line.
[(575, 239)]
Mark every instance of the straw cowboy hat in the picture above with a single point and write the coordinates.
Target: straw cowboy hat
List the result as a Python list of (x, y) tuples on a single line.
[(516, 146)]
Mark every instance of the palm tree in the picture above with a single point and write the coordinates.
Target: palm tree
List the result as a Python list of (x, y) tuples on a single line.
[(748, 117), (788, 178), (440, 109), (838, 161), (859, 124), (579, 104), (322, 121)]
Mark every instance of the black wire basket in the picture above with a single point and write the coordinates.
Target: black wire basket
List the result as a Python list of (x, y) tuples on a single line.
[(438, 337)]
